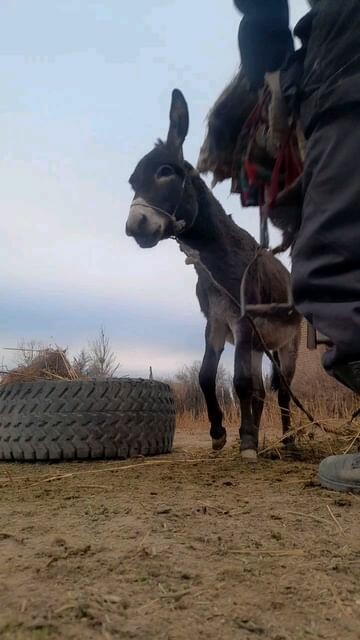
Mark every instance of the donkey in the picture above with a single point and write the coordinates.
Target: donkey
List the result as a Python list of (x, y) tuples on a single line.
[(172, 200)]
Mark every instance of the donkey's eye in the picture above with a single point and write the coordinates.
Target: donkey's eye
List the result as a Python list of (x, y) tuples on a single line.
[(166, 171)]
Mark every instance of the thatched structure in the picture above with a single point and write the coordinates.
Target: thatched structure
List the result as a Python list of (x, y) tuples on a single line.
[(50, 364)]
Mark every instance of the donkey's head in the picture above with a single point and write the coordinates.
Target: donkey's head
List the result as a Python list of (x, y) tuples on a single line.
[(164, 204)]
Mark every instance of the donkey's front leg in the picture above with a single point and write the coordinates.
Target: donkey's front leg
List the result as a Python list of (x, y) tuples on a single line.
[(215, 336), (244, 387)]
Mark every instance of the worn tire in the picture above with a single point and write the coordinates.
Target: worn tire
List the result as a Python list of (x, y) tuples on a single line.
[(92, 419)]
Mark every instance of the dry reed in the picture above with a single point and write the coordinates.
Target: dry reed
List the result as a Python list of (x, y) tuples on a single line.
[(336, 434), (50, 364)]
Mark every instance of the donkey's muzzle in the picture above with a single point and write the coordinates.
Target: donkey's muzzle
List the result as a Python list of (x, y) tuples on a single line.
[(145, 224)]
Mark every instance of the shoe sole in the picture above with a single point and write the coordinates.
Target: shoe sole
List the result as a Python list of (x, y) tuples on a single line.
[(339, 486)]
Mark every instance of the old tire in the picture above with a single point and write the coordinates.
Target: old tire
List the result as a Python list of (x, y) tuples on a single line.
[(79, 420)]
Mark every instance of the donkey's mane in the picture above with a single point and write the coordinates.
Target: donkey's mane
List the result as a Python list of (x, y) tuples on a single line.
[(212, 210)]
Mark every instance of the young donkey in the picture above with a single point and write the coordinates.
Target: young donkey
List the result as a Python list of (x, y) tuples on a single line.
[(171, 200)]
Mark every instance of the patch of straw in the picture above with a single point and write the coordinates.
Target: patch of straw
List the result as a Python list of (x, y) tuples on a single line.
[(50, 364), (353, 442), (308, 515), (334, 518), (110, 468), (296, 553)]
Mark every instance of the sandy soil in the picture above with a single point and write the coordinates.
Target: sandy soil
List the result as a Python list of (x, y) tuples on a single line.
[(182, 547)]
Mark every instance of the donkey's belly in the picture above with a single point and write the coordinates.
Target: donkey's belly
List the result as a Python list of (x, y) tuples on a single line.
[(275, 334)]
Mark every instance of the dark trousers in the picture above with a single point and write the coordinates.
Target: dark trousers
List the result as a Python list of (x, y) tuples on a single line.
[(326, 256)]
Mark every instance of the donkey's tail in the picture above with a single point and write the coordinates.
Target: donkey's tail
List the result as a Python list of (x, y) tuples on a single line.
[(275, 378)]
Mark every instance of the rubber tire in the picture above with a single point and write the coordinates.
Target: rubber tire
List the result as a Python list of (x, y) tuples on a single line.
[(80, 420)]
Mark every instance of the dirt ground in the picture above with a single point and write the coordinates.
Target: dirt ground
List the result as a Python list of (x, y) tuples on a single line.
[(186, 546)]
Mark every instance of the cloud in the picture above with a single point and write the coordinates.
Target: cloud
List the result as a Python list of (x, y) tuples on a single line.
[(83, 97), (139, 334)]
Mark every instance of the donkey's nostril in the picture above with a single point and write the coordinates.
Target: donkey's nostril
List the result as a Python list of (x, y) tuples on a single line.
[(137, 223), (142, 221)]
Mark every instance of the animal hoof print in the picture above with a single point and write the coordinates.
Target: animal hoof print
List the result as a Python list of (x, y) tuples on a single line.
[(219, 444), (249, 455)]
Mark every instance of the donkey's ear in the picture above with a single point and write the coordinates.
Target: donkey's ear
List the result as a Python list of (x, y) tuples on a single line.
[(179, 120)]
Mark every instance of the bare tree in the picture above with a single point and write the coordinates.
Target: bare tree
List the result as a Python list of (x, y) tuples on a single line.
[(188, 392), (225, 388), (27, 351), (98, 360), (102, 359), (81, 362)]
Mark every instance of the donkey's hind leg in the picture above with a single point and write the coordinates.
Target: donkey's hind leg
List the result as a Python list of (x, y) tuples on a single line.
[(287, 359), (258, 387), (215, 337), (244, 387)]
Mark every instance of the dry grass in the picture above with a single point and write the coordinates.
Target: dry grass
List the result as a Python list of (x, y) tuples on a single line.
[(335, 432), (50, 364)]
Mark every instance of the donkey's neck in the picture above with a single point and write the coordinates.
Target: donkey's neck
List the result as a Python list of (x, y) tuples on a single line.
[(223, 247)]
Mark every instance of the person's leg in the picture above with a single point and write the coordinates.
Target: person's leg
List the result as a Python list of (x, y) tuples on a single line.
[(326, 255), (326, 264)]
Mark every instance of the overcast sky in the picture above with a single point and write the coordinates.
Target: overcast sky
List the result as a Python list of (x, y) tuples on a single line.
[(84, 92)]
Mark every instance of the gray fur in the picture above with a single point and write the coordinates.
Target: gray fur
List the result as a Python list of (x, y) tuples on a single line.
[(221, 251)]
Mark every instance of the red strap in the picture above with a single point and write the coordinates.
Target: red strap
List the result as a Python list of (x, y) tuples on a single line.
[(251, 172), (287, 162)]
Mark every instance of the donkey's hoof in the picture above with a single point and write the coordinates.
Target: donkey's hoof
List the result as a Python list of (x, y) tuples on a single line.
[(249, 455), (219, 444)]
